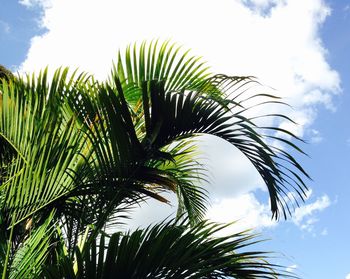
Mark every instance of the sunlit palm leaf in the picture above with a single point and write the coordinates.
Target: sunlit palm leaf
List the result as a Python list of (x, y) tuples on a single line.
[(172, 250), (174, 116), (45, 142), (158, 61), (161, 62), (29, 259)]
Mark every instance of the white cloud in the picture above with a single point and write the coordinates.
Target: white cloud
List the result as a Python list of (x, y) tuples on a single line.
[(347, 276), (282, 52), (27, 3), (302, 117), (150, 211), (251, 37), (317, 97), (253, 214), (231, 173), (305, 216), (245, 209), (32, 3)]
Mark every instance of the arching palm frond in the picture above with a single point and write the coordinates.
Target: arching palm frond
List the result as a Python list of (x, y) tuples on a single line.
[(171, 116), (199, 103), (170, 250), (166, 62)]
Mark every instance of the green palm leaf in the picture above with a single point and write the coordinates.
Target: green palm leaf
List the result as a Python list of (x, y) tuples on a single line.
[(180, 115), (45, 143), (165, 62), (171, 250), (29, 259)]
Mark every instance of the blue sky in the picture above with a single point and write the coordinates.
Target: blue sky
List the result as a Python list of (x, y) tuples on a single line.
[(301, 48)]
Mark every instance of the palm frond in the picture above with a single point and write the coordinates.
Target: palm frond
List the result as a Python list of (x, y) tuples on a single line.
[(45, 144), (179, 115), (172, 250), (189, 174), (166, 61), (29, 259)]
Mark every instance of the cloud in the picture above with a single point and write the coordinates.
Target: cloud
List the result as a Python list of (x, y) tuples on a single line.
[(282, 52), (253, 214), (231, 173), (245, 209), (250, 37), (149, 212), (305, 216), (32, 3), (27, 3), (347, 276)]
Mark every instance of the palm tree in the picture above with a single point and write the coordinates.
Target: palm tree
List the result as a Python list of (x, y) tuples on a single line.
[(77, 154)]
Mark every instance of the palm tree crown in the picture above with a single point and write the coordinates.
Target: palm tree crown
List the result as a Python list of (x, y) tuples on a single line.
[(77, 153)]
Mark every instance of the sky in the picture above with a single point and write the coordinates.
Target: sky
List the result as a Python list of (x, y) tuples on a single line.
[(300, 48)]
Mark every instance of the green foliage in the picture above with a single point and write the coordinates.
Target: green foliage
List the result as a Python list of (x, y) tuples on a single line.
[(28, 259), (5, 73), (76, 154), (170, 250)]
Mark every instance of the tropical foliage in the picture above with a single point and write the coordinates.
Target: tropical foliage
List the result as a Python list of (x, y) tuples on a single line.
[(76, 154), (5, 73)]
